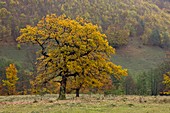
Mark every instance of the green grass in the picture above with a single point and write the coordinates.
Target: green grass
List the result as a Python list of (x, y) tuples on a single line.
[(139, 58), (84, 104), (18, 56), (135, 57), (11, 52)]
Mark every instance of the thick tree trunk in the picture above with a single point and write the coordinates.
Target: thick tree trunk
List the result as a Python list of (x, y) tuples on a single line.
[(62, 93), (77, 92)]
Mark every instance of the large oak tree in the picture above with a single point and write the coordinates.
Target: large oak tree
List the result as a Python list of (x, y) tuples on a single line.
[(70, 48)]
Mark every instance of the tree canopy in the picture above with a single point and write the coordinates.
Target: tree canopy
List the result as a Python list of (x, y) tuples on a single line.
[(70, 48)]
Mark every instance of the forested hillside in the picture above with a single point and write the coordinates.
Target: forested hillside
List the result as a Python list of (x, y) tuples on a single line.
[(121, 20), (138, 29)]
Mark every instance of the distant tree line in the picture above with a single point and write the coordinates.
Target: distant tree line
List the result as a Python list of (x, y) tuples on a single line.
[(152, 82)]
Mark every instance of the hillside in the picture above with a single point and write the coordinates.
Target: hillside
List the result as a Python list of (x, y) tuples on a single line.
[(139, 30), (133, 57), (138, 26), (120, 20), (139, 58)]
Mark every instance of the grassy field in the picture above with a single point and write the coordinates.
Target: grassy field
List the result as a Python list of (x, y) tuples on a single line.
[(11, 52), (84, 104), (22, 57), (133, 57), (139, 58)]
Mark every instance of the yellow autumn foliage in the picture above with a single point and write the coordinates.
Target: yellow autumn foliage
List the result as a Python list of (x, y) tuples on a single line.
[(71, 49), (166, 79), (11, 79)]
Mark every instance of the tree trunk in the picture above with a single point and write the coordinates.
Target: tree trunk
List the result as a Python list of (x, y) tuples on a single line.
[(77, 92), (62, 93)]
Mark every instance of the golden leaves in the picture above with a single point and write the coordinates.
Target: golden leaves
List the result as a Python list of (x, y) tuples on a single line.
[(11, 79), (72, 48), (166, 80)]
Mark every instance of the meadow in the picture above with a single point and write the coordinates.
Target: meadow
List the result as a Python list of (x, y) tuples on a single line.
[(94, 103)]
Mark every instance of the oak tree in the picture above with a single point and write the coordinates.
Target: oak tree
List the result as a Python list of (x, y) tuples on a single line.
[(69, 48)]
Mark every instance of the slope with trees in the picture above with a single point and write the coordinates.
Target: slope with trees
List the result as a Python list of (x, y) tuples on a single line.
[(134, 18), (123, 21)]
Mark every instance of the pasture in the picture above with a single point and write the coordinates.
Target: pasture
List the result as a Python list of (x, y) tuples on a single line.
[(94, 103)]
